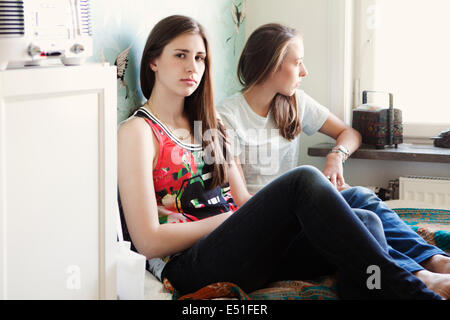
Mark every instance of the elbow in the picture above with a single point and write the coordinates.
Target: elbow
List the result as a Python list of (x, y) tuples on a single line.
[(358, 136), (147, 250), (148, 245), (149, 253), (152, 251)]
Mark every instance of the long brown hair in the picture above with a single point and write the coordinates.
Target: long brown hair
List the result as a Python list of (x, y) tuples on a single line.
[(199, 106), (261, 57)]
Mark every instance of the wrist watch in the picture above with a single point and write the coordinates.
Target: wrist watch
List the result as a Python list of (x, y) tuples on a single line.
[(342, 150)]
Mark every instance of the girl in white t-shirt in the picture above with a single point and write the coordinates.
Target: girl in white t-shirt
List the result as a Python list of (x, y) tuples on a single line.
[(266, 119), (186, 206)]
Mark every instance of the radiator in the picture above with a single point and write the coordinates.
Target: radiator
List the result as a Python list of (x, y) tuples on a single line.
[(432, 190)]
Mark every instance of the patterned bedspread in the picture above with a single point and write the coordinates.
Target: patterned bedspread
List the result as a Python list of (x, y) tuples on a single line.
[(432, 224)]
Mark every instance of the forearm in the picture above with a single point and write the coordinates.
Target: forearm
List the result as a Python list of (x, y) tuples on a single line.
[(240, 198), (237, 182), (170, 238), (350, 139)]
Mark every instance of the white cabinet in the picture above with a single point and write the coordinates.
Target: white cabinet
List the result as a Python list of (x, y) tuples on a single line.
[(58, 182)]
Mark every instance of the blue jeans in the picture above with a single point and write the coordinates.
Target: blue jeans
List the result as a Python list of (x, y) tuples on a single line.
[(406, 247), (296, 227), (373, 223)]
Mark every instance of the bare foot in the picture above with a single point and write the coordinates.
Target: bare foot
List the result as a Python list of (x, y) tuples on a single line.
[(437, 263), (436, 282)]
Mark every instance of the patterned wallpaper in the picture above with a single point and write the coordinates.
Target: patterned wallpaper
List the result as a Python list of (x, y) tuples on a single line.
[(119, 25)]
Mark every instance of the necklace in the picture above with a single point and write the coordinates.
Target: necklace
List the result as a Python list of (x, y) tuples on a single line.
[(180, 137)]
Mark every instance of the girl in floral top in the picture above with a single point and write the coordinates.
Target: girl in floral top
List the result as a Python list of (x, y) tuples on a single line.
[(174, 165)]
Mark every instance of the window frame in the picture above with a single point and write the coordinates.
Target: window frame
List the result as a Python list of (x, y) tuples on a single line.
[(365, 21)]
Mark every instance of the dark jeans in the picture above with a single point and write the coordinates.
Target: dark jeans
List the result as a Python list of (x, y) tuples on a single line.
[(297, 227)]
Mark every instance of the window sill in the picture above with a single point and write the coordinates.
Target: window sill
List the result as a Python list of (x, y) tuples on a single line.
[(404, 152)]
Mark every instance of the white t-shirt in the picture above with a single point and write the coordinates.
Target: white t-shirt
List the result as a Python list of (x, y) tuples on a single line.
[(264, 154)]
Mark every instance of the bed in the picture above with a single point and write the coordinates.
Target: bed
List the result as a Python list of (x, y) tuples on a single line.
[(430, 222)]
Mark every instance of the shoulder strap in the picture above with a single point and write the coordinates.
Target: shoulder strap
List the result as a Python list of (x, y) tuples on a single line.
[(155, 123)]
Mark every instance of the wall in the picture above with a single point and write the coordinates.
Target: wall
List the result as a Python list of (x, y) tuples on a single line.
[(120, 24), (312, 18)]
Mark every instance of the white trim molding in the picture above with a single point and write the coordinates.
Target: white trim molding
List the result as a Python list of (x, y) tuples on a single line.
[(340, 61), (3, 216)]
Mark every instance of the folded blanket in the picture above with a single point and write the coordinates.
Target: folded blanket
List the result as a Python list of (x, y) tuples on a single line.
[(432, 224)]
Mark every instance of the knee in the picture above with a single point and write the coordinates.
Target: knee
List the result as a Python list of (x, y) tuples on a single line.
[(369, 218), (358, 190), (374, 225), (306, 174), (360, 193), (311, 180)]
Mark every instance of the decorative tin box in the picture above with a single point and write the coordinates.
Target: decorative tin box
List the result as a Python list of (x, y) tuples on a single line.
[(379, 126)]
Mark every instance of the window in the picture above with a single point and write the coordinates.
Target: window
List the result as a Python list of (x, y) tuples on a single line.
[(403, 47)]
